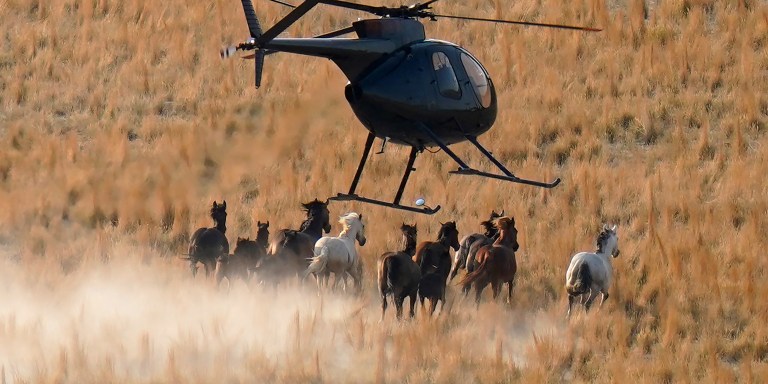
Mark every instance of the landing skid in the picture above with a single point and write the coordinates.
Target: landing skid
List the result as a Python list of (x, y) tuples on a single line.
[(347, 197)]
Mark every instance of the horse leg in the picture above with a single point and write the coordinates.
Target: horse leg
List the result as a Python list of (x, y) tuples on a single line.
[(496, 286), (511, 286), (432, 305), (571, 299), (193, 267), (479, 286), (413, 305), (590, 299), (604, 297), (383, 305), (399, 305)]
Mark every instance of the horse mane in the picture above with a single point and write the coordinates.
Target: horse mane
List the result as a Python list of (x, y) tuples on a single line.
[(346, 222)]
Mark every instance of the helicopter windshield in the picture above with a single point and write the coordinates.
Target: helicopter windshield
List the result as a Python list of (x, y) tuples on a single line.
[(446, 77), (478, 78)]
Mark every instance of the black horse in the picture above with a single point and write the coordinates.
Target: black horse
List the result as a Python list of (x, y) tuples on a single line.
[(209, 244), (434, 261), (399, 275)]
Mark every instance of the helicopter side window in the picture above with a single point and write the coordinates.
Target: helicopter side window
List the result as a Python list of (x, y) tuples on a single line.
[(446, 77), (478, 78)]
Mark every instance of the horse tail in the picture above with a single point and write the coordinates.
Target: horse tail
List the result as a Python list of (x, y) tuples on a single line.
[(580, 281), (387, 270), (319, 262), (481, 271)]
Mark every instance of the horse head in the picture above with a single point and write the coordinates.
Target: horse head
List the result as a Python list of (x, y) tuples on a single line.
[(608, 241), (318, 210), (495, 215), (449, 233), (506, 225), (219, 215), (262, 233), (360, 236)]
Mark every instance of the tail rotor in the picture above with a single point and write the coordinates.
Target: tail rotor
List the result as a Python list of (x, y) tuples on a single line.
[(254, 27)]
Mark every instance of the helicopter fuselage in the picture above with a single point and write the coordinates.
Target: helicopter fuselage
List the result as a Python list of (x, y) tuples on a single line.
[(400, 82)]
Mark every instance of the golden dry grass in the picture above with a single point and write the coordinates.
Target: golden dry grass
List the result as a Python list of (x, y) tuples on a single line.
[(658, 123)]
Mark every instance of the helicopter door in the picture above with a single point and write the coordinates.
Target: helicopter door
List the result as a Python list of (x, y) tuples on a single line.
[(447, 83)]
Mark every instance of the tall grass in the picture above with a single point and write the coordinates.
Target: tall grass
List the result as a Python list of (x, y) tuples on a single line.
[(120, 124)]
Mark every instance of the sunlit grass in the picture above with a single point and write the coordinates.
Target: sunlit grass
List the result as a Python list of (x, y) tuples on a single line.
[(120, 124)]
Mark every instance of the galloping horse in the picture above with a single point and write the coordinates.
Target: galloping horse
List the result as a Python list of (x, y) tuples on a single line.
[(399, 275), (208, 244), (338, 254), (464, 258), (434, 260), (497, 264), (247, 255), (289, 250), (409, 239), (592, 272)]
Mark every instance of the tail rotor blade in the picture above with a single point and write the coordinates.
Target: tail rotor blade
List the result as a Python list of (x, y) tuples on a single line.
[(259, 66), (228, 51)]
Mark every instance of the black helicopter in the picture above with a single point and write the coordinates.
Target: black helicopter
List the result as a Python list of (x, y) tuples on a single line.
[(403, 87)]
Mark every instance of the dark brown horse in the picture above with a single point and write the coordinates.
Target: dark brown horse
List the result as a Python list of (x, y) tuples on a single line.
[(497, 264), (433, 257), (289, 251), (208, 244), (465, 256), (247, 255), (399, 275), (410, 233)]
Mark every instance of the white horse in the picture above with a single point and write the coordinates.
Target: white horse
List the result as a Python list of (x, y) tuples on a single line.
[(338, 254), (592, 272)]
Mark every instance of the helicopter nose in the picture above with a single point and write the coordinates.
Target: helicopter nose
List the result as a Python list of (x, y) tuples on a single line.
[(353, 92)]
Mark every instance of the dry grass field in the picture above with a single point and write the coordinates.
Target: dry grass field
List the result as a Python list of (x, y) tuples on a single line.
[(119, 125)]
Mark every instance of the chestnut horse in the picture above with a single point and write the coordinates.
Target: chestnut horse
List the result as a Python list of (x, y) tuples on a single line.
[(497, 263), (434, 260), (399, 275)]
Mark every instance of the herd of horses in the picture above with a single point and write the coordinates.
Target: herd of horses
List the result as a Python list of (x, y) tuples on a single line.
[(418, 271)]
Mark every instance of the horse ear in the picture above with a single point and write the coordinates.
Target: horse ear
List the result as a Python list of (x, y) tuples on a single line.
[(327, 201), (267, 223), (512, 220), (502, 213), (605, 227), (258, 223), (224, 204), (615, 227), (214, 204), (360, 216)]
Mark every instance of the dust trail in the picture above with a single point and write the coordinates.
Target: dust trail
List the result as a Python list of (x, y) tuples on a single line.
[(131, 321)]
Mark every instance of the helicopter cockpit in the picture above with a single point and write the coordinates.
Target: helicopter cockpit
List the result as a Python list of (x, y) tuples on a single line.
[(479, 79), (447, 61)]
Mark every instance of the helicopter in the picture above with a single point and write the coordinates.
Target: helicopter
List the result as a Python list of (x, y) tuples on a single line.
[(404, 88)]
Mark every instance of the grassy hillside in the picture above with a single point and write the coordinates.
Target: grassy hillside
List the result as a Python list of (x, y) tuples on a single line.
[(120, 124)]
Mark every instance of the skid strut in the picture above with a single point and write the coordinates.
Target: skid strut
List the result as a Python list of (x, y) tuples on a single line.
[(352, 196), (464, 169)]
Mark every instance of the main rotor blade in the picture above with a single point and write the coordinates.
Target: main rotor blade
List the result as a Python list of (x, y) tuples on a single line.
[(335, 33), (283, 3), (588, 29), (350, 5)]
